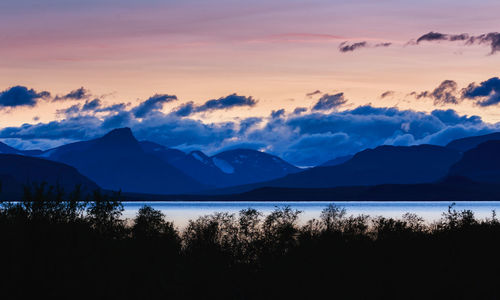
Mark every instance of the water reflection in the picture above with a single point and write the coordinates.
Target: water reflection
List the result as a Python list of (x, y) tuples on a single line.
[(181, 212)]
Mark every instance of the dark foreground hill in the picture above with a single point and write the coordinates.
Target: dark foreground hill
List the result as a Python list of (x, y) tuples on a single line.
[(18, 171)]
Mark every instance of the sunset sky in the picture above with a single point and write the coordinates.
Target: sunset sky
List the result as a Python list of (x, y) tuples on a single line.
[(331, 59)]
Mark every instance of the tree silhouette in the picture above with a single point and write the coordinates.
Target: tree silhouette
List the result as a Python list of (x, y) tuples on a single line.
[(74, 245)]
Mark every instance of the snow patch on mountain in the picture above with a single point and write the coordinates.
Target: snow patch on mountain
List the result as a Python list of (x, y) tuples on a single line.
[(198, 157), (223, 165), (47, 154)]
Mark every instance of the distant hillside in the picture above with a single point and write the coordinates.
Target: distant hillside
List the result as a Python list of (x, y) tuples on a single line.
[(6, 149), (468, 143), (16, 171), (228, 168), (382, 165), (450, 189), (441, 191), (481, 163), (248, 166), (118, 161), (337, 161)]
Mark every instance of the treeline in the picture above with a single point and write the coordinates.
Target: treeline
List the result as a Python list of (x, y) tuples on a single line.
[(82, 247)]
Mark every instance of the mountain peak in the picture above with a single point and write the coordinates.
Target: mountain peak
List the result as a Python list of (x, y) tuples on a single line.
[(198, 155), (6, 149), (121, 140), (120, 133)]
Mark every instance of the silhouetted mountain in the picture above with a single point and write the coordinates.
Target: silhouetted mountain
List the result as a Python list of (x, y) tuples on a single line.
[(382, 165), (452, 188), (17, 171), (165, 153), (6, 149), (336, 161), (195, 164), (469, 143), (202, 168), (481, 163), (117, 161), (461, 190), (228, 168), (247, 166)]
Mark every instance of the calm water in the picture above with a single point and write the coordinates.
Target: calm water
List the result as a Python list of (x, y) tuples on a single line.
[(182, 212)]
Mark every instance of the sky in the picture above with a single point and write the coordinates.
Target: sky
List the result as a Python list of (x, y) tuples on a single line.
[(305, 80)]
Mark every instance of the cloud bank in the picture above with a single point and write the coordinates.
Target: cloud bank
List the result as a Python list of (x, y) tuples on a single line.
[(304, 139), (304, 136)]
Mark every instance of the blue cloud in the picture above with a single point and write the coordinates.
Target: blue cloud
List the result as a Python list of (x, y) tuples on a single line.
[(73, 109), (311, 94), (21, 96), (445, 93), (154, 103), (277, 113), (78, 94), (492, 39), (387, 94), (344, 47), (227, 102), (299, 110), (304, 139), (451, 117), (91, 105), (247, 123), (119, 107), (327, 102), (73, 128), (433, 36), (486, 93), (121, 119), (185, 109)]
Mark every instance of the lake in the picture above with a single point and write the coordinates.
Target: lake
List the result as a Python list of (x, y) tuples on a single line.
[(183, 211)]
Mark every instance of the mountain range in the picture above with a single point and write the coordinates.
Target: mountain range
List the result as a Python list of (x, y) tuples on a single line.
[(228, 168), (382, 165), (118, 161)]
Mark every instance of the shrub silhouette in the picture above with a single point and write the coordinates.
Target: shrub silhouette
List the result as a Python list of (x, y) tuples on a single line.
[(80, 246), (150, 224)]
